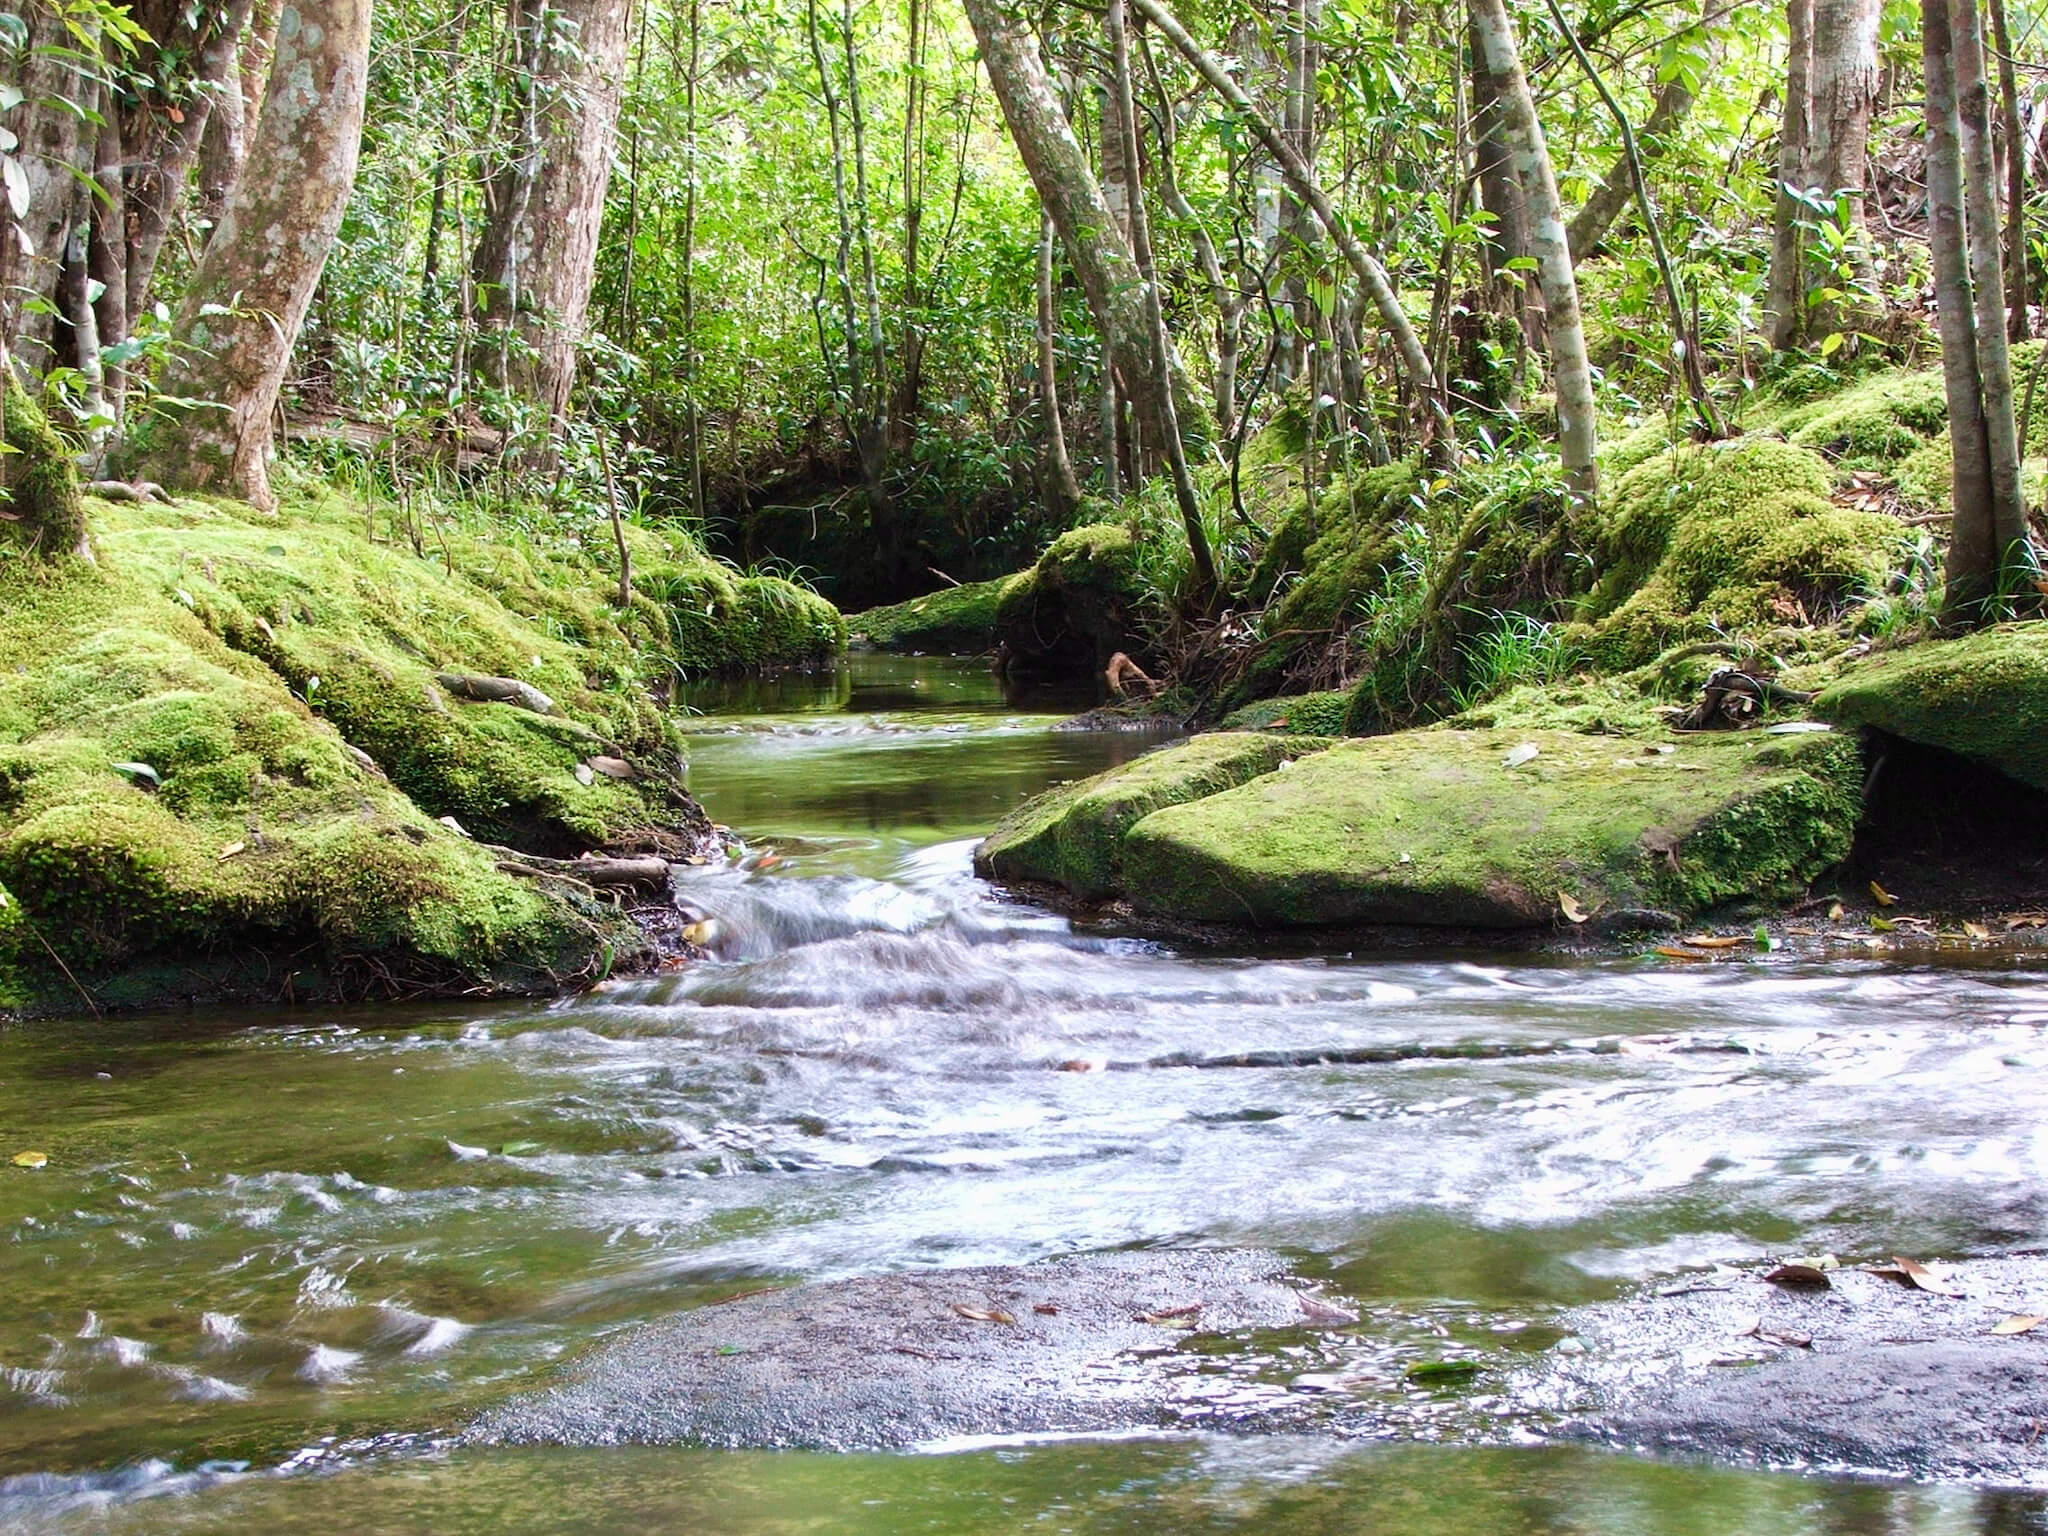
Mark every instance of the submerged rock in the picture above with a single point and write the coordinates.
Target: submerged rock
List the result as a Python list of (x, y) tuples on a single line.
[(1468, 828), (1079, 1344), (1865, 1373), (1073, 836), (1984, 696)]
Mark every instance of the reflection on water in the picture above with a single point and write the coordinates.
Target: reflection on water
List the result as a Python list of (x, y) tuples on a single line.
[(309, 1240)]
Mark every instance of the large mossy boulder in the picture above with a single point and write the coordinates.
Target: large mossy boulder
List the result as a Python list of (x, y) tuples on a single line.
[(176, 825), (1467, 829), (953, 619), (1072, 836), (1984, 696), (1077, 607)]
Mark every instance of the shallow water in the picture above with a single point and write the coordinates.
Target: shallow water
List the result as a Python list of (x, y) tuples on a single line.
[(268, 1247)]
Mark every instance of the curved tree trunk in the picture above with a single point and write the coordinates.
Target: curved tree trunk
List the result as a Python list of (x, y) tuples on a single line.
[(1060, 467), (1095, 245), (246, 302), (1673, 101), (537, 256), (1571, 372), (1785, 300)]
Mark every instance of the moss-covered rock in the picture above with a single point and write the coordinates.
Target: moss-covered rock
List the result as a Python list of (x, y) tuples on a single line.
[(1718, 537), (174, 824), (1071, 836), (1983, 695), (1078, 606), (41, 510), (1303, 714), (957, 619), (714, 620), (1436, 827)]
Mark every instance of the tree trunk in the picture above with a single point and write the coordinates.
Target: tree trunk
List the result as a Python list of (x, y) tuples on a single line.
[(1095, 247), (1987, 275), (1673, 101), (160, 137), (108, 248), (1571, 372), (1141, 241), (1372, 277), (2017, 326), (1844, 92), (52, 153), (1500, 194), (537, 255), (1061, 467), (249, 296), (1973, 554), (1786, 295)]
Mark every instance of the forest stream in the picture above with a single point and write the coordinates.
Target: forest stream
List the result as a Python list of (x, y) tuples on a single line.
[(277, 1261)]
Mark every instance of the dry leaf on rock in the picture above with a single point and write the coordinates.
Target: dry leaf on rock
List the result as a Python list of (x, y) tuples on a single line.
[(2019, 1322), (1711, 940), (1573, 912), (1921, 1276), (1800, 1277), (982, 1314), (1884, 897)]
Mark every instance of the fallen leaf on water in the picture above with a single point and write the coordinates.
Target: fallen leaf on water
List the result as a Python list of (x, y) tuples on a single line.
[(1669, 952), (982, 1314), (1526, 752), (1883, 924), (30, 1159), (1317, 1310), (2019, 1322), (1711, 940), (1884, 897), (1976, 930), (229, 852), (1442, 1370), (1573, 912), (1800, 1277), (1913, 1272), (1783, 1336)]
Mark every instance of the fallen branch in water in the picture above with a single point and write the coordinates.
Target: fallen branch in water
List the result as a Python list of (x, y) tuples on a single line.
[(592, 870)]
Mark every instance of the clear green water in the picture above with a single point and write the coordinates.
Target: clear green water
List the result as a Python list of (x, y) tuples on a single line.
[(278, 1260)]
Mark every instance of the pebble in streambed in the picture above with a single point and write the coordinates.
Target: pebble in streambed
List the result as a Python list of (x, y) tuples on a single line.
[(893, 1361)]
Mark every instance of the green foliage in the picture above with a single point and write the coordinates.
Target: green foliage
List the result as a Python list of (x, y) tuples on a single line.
[(40, 509)]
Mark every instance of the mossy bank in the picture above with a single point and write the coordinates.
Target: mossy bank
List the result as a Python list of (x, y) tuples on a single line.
[(239, 759)]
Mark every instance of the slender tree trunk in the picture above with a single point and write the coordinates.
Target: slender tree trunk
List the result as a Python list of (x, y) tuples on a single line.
[(1973, 555), (1500, 194), (108, 251), (1372, 277), (160, 144), (1141, 241), (1786, 296), (2017, 326), (53, 150), (537, 255), (1845, 79), (1100, 258), (1571, 372), (1673, 101), (1987, 274), (693, 420), (245, 304), (1064, 485)]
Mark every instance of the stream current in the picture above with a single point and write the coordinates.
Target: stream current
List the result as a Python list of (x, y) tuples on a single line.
[(276, 1260)]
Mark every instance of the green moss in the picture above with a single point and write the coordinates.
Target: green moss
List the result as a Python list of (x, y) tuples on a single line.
[(1432, 827), (1983, 695), (960, 619), (264, 863), (1304, 714), (1873, 424), (1071, 836), (1721, 537), (44, 513)]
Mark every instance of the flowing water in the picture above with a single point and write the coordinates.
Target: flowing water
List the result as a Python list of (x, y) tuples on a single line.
[(276, 1260)]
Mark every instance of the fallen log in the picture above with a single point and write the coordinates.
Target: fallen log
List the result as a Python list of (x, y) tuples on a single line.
[(496, 690), (602, 871)]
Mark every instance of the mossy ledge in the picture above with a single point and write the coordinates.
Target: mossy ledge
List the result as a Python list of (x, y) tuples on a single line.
[(953, 619), (226, 760), (1452, 828)]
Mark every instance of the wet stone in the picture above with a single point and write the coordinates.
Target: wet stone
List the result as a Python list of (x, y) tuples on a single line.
[(890, 1361)]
